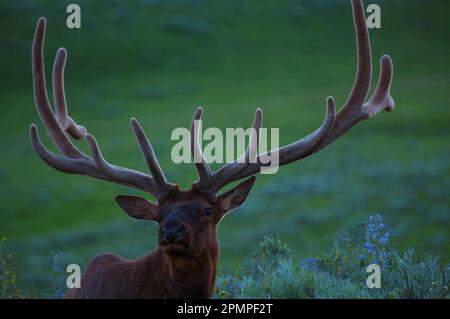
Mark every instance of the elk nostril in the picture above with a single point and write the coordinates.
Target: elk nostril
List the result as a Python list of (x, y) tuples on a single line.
[(181, 231), (170, 237)]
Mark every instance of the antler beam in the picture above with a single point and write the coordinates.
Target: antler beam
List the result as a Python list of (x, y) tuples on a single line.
[(354, 111), (59, 123)]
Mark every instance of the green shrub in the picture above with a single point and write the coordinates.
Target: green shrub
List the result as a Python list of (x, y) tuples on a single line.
[(275, 272)]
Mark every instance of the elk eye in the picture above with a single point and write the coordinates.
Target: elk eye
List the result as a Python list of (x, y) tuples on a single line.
[(208, 211)]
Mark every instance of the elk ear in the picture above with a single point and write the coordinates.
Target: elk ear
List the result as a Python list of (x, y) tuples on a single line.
[(236, 197), (138, 207)]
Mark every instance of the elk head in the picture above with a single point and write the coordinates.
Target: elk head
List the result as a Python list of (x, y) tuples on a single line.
[(188, 219)]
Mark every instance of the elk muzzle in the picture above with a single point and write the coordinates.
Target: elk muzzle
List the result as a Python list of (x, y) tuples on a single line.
[(172, 233)]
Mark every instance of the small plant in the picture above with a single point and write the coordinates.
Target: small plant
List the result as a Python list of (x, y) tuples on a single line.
[(57, 287), (229, 286), (8, 279), (376, 249), (271, 248)]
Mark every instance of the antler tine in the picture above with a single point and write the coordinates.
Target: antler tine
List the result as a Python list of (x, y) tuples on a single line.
[(253, 144), (203, 169), (65, 121), (150, 157), (120, 174), (221, 176), (308, 144), (62, 164), (41, 98), (295, 151), (363, 77), (381, 99)]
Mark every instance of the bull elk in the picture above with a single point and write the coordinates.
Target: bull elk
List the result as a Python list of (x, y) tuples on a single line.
[(184, 263)]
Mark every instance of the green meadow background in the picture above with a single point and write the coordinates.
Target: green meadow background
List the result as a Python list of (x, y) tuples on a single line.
[(158, 60)]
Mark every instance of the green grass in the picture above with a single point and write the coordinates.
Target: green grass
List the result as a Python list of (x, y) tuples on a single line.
[(158, 60)]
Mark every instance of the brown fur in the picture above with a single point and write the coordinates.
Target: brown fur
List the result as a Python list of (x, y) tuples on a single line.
[(155, 275)]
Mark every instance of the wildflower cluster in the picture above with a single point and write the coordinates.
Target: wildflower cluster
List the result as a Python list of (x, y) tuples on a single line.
[(376, 247)]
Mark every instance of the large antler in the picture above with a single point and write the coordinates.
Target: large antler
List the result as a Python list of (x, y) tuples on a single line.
[(57, 124), (335, 125)]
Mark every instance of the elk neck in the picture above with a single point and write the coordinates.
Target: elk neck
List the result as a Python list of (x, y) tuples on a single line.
[(186, 276)]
